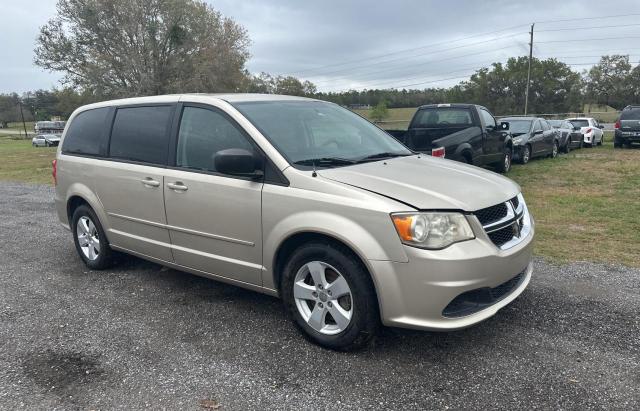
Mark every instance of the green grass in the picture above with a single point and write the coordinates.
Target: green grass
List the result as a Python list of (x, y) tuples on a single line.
[(586, 203), (19, 161)]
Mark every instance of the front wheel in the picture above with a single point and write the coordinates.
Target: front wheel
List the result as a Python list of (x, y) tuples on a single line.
[(505, 165), (330, 297)]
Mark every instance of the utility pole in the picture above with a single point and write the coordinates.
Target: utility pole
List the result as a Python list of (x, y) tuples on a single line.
[(526, 95), (23, 123)]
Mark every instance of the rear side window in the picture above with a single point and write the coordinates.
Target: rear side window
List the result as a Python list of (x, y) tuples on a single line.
[(141, 134), (442, 117), (203, 133), (86, 133), (630, 114)]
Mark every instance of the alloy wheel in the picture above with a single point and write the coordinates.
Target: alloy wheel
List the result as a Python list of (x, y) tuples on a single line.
[(88, 238), (323, 298)]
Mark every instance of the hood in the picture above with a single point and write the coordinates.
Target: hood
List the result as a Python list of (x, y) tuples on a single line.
[(424, 182)]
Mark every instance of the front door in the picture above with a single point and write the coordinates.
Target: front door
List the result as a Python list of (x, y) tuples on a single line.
[(493, 137), (214, 219)]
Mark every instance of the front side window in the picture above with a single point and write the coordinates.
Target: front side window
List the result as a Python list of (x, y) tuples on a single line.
[(140, 134), (487, 118), (203, 133), (85, 133), (306, 130), (545, 125)]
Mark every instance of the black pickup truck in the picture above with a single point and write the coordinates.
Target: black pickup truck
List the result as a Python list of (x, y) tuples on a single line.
[(462, 132)]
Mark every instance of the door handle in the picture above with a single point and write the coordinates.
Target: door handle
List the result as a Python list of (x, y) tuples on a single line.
[(177, 186), (149, 182)]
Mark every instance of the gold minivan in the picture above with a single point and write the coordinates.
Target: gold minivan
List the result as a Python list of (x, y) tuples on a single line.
[(296, 198)]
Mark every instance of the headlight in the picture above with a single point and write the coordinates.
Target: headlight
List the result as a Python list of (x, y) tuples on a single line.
[(432, 230), (517, 140)]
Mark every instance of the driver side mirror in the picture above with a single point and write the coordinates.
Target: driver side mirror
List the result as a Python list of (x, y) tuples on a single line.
[(237, 162), (504, 125)]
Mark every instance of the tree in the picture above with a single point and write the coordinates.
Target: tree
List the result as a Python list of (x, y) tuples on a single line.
[(608, 81), (379, 112), (142, 47)]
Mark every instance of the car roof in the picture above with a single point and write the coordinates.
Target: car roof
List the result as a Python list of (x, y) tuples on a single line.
[(521, 118), (447, 105), (579, 118)]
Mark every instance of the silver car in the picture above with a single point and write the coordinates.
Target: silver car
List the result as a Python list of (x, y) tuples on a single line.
[(46, 140), (296, 198)]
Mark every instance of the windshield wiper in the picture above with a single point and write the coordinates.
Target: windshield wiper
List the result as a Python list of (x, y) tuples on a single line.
[(381, 156), (325, 161)]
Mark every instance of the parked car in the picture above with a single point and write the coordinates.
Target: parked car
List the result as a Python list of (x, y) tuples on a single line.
[(463, 132), (46, 140), (532, 137), (569, 137), (591, 130), (295, 198), (627, 128)]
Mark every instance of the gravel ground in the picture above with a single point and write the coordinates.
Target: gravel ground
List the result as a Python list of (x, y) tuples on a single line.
[(143, 336)]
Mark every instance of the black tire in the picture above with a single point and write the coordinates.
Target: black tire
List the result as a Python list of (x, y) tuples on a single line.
[(526, 154), (105, 256), (567, 148), (505, 165), (365, 320)]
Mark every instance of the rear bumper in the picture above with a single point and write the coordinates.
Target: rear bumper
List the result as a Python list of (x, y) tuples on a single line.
[(419, 294)]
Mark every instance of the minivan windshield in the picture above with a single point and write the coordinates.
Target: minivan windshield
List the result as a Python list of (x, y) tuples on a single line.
[(319, 134)]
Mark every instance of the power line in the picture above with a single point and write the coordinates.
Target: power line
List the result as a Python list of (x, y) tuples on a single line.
[(347, 77), (408, 50), (589, 28), (588, 18), (427, 53), (583, 40)]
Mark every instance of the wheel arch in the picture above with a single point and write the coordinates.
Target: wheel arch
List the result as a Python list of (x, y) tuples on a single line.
[(79, 194)]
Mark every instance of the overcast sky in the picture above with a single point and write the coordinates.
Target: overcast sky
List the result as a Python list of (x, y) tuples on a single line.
[(375, 44)]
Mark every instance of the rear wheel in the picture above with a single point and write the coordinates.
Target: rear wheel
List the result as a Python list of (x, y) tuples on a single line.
[(330, 297), (567, 147), (90, 240)]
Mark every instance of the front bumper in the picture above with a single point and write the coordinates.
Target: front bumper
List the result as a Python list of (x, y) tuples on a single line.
[(415, 294)]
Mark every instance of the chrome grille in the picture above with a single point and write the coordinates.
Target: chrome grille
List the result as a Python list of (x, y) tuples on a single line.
[(506, 224)]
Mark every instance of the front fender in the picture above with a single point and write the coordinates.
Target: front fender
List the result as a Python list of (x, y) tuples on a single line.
[(343, 229)]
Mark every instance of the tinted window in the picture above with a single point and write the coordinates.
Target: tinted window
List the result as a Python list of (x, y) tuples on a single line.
[(630, 114), (556, 123), (442, 117), (140, 134), (487, 118), (202, 134), (86, 133)]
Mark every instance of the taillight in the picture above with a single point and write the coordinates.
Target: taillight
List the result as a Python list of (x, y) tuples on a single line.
[(54, 172), (617, 125), (587, 131), (438, 152)]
